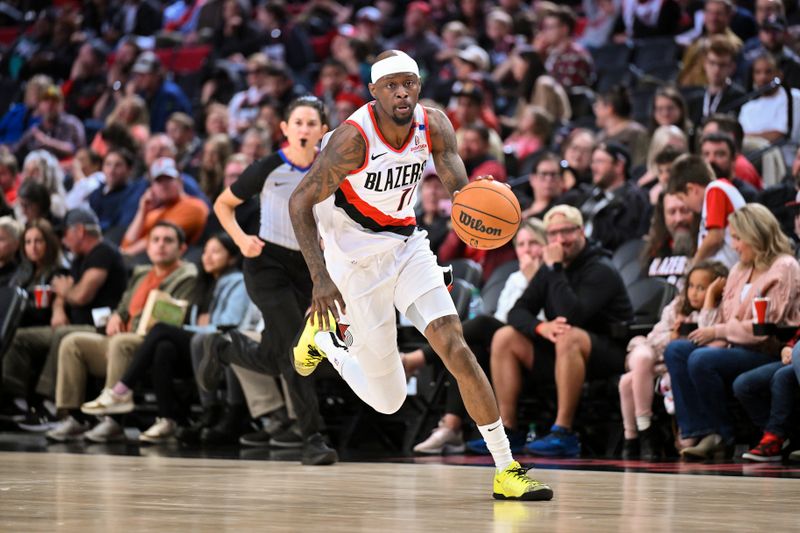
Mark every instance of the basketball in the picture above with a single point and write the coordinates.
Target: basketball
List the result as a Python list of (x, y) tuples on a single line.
[(486, 214)]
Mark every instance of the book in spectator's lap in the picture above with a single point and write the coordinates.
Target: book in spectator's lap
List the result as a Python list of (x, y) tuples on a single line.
[(161, 307)]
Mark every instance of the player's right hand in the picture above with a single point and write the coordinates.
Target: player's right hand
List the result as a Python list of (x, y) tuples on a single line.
[(251, 246), (323, 299)]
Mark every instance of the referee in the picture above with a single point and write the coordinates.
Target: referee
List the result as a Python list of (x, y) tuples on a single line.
[(275, 273)]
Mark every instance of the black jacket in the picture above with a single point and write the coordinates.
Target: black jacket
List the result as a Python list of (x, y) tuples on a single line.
[(729, 95), (589, 293)]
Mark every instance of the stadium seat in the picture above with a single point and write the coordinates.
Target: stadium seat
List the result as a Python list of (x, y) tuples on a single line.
[(468, 270), (648, 297), (14, 301), (490, 293), (631, 272), (654, 54), (627, 252), (642, 99), (581, 100), (611, 65)]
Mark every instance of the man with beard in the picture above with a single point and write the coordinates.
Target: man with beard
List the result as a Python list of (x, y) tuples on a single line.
[(692, 181), (672, 239), (616, 209)]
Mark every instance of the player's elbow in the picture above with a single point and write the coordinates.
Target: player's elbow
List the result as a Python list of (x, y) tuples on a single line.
[(299, 203)]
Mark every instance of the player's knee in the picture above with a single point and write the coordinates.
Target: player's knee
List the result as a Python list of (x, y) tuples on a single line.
[(390, 401)]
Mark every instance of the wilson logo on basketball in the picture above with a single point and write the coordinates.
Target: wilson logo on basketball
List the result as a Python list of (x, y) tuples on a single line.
[(477, 224)]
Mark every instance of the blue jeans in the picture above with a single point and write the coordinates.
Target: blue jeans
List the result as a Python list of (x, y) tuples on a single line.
[(796, 360), (767, 394), (700, 379)]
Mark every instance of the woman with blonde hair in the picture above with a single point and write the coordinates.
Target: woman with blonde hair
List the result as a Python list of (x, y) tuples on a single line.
[(703, 367), (663, 137), (131, 112)]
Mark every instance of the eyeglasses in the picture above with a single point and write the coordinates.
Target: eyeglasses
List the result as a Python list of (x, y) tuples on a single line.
[(563, 232)]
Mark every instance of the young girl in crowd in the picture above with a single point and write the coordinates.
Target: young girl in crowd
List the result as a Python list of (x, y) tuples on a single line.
[(695, 304)]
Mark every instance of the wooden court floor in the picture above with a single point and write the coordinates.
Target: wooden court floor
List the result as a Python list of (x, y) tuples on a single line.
[(56, 492)]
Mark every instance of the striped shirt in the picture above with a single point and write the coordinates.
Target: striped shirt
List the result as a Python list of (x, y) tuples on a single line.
[(273, 179)]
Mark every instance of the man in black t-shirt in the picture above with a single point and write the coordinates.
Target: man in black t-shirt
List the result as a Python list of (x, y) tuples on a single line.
[(95, 285)]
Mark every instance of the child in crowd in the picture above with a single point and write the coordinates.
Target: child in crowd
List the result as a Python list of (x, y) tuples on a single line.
[(697, 303)]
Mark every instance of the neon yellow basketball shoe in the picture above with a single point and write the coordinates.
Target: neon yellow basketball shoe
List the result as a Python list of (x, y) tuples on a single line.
[(307, 354), (513, 483)]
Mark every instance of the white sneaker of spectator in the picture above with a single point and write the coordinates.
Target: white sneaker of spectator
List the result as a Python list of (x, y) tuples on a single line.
[(108, 430), (68, 429), (109, 403), (443, 440), (161, 431)]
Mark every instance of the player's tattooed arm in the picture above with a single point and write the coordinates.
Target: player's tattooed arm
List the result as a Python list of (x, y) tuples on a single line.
[(345, 152), (449, 165)]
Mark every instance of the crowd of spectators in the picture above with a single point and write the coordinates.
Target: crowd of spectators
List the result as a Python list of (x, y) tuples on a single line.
[(124, 121)]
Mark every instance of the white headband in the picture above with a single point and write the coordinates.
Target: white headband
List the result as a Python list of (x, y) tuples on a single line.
[(394, 65)]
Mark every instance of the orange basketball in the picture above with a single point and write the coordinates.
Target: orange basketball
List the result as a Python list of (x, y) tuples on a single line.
[(486, 214)]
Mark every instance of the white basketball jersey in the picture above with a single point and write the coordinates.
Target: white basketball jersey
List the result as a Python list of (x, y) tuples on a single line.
[(726, 255), (373, 209)]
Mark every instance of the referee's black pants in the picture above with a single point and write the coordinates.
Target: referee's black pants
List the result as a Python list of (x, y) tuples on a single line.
[(279, 283)]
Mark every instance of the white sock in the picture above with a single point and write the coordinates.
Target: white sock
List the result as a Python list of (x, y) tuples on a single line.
[(345, 364), (643, 422), (335, 353), (496, 440)]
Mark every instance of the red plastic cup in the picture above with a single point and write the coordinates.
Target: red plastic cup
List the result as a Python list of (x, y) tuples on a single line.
[(760, 307), (43, 296)]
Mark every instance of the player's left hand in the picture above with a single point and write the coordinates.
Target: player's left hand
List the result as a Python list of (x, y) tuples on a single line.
[(324, 298)]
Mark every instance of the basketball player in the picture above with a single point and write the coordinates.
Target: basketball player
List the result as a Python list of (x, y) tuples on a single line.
[(362, 189)]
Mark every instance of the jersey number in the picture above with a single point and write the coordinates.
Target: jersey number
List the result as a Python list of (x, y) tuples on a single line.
[(407, 193)]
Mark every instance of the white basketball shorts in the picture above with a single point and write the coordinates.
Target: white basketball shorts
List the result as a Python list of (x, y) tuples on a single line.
[(373, 287)]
